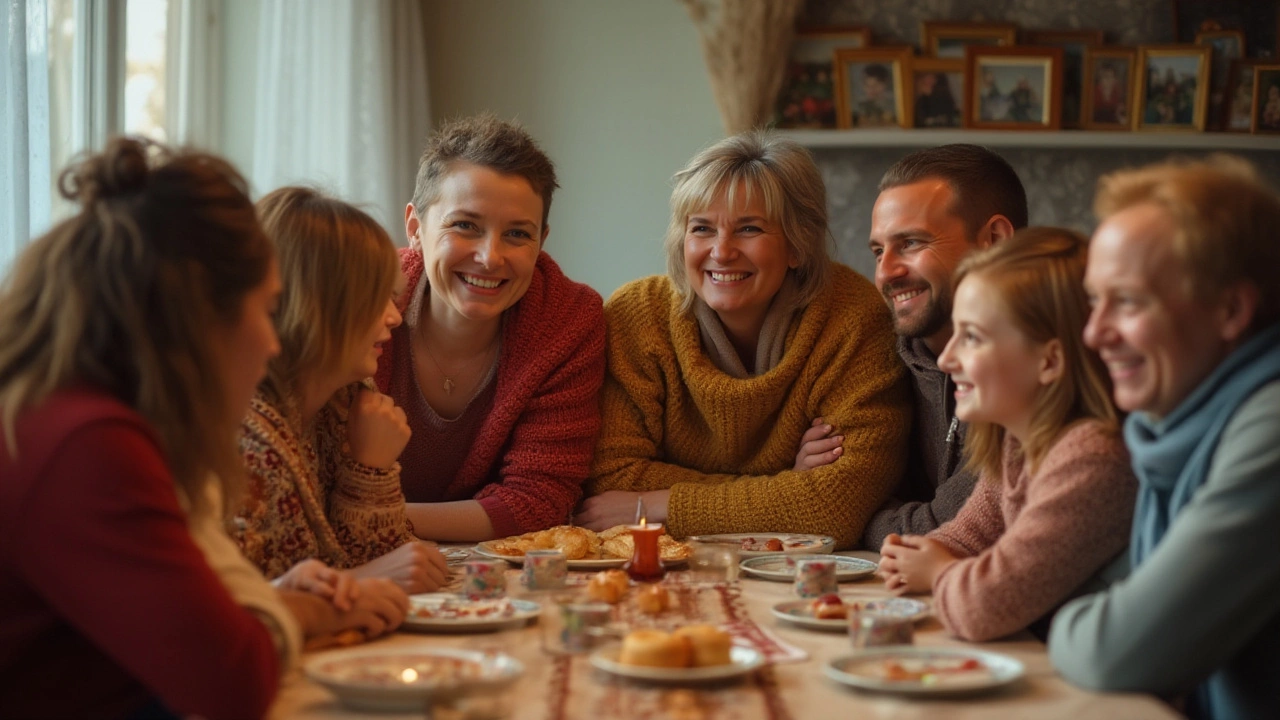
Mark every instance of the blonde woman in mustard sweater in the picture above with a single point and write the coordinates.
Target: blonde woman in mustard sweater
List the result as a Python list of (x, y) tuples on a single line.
[(717, 370), (1054, 500)]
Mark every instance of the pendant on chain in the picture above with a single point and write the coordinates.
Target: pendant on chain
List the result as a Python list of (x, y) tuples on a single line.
[(449, 384)]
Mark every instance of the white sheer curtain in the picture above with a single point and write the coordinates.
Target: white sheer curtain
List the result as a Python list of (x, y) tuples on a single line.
[(342, 100), (25, 170)]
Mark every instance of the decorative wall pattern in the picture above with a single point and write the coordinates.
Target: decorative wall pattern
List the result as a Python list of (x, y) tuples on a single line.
[(1060, 182)]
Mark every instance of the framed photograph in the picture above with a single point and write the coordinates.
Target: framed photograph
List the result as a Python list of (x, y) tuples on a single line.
[(1173, 93), (808, 95), (1013, 88), (1258, 19), (1239, 110), (870, 87), (1226, 46), (1266, 98), (948, 39), (1073, 44), (938, 92), (1109, 74)]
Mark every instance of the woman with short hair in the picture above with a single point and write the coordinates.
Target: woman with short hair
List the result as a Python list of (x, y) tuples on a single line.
[(499, 362), (718, 369)]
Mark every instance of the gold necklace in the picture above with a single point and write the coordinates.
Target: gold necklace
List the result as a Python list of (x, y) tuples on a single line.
[(449, 384)]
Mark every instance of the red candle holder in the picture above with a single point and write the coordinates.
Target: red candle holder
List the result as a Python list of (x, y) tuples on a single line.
[(645, 565)]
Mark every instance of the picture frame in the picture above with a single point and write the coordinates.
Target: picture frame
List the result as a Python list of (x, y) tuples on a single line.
[(1074, 43), (949, 39), (1258, 19), (871, 88), (1172, 91), (807, 98), (1238, 113), (1266, 99), (937, 92), (1107, 101), (1013, 88), (1227, 47)]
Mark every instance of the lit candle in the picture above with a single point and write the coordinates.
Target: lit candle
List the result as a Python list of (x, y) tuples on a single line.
[(645, 565)]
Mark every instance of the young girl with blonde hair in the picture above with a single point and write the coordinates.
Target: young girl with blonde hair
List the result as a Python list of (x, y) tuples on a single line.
[(1055, 497), (320, 442)]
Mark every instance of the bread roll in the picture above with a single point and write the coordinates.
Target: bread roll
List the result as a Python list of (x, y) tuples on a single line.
[(654, 648), (653, 599), (708, 645), (608, 586)]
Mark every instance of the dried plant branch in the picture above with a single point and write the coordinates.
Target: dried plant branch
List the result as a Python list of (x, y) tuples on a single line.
[(745, 44)]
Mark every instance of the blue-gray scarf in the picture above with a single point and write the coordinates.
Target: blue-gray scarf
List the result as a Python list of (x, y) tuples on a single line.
[(1171, 456)]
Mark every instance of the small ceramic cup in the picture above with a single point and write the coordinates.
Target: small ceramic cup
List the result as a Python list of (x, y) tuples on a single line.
[(815, 577), (483, 579)]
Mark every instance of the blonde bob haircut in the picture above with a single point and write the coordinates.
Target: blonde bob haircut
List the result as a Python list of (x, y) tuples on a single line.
[(1039, 275), (338, 269), (1226, 220), (794, 196), (121, 297)]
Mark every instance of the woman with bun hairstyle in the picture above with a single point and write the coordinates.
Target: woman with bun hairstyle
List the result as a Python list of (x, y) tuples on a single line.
[(132, 336), (1055, 495), (320, 442), (499, 362)]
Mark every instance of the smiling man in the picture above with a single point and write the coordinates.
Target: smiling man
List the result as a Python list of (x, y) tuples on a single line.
[(1186, 316), (935, 207)]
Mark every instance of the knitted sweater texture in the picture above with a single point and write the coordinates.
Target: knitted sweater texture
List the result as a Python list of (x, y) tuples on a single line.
[(725, 446), (527, 464), (1030, 542), (307, 497)]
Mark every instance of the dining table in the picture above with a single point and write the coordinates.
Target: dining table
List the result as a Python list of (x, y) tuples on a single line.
[(791, 685)]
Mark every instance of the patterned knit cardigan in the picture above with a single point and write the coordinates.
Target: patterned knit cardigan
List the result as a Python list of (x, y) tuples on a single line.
[(725, 446), (307, 497), (527, 464)]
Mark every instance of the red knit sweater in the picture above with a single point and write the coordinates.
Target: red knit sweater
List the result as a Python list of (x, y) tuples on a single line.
[(533, 450), (106, 603)]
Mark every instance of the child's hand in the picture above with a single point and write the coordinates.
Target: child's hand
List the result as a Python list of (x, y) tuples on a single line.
[(916, 562)]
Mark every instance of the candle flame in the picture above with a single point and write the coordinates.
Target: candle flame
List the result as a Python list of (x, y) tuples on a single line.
[(643, 522)]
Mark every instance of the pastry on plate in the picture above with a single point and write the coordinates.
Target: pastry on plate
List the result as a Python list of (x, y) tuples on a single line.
[(654, 648), (708, 645), (608, 586)]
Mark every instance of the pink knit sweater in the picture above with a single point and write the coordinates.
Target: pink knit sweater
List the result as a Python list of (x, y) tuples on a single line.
[(533, 450), (1029, 542)]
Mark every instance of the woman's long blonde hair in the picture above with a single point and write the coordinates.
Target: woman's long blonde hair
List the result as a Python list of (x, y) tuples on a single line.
[(1039, 274), (338, 269), (121, 296)]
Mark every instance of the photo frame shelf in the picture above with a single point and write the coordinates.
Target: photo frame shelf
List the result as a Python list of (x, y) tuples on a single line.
[(1048, 139)]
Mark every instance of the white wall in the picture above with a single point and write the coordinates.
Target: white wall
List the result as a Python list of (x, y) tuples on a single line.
[(614, 90), (616, 93)]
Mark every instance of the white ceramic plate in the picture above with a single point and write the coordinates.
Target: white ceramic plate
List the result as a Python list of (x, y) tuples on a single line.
[(866, 670), (593, 564), (797, 612), (368, 679), (777, 567), (449, 613), (792, 543), (744, 661)]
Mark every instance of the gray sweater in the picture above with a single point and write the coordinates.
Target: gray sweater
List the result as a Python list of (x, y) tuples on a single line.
[(1204, 608), (934, 488)]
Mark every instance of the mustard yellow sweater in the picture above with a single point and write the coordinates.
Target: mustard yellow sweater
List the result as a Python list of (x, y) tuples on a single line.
[(725, 446)]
